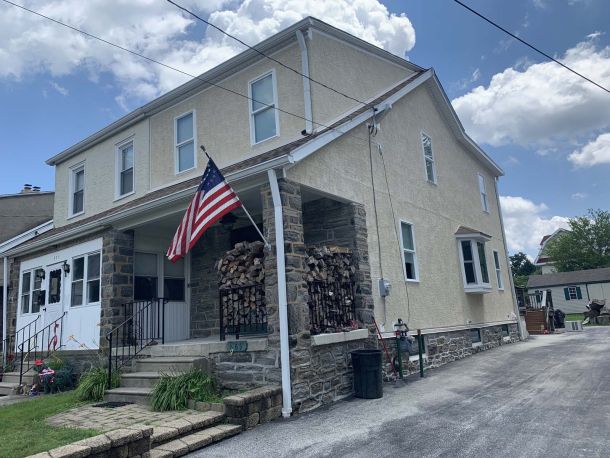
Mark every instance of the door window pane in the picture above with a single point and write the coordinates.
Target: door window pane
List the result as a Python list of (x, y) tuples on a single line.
[(78, 274), (173, 283), (145, 276), (55, 286), (93, 278)]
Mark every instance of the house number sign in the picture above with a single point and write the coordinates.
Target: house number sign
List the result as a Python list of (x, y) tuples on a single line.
[(237, 346)]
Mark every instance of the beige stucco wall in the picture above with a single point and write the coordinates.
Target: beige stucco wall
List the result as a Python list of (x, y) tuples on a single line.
[(435, 211), (100, 173), (350, 70)]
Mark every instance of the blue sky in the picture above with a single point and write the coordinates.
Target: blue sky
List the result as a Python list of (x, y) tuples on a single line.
[(542, 125)]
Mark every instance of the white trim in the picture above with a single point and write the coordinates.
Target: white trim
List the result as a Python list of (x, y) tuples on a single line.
[(118, 165), (177, 170), (483, 192), (25, 236), (73, 170), (414, 251), (273, 107), (426, 158), (479, 287), (339, 337), (306, 82)]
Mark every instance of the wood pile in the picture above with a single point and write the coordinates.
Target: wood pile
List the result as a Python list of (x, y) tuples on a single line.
[(242, 266), (329, 264)]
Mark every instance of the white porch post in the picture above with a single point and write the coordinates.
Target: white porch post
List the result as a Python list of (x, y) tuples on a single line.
[(282, 298), (4, 303)]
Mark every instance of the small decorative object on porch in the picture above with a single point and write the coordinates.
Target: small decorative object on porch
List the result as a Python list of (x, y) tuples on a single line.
[(331, 287)]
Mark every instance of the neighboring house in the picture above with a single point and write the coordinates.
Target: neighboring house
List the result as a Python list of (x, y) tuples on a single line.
[(543, 260), (572, 291), (22, 216), (431, 227)]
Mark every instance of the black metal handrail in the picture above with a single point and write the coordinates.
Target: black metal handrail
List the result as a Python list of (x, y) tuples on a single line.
[(144, 324), (38, 347), (331, 305), (8, 344), (242, 310)]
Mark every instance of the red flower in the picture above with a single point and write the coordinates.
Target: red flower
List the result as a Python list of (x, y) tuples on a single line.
[(10, 357), (38, 362)]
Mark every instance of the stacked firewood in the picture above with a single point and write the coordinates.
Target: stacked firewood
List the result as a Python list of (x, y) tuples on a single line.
[(329, 264), (242, 266)]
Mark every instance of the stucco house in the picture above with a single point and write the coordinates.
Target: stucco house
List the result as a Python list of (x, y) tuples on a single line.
[(572, 291), (386, 177), (542, 259)]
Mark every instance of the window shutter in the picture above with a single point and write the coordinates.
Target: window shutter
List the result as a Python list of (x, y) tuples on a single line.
[(566, 293), (578, 293)]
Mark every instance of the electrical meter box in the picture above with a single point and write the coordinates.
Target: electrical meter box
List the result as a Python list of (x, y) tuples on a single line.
[(385, 287)]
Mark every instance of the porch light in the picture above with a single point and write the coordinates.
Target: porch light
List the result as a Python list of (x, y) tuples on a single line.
[(40, 274), (228, 221), (66, 268)]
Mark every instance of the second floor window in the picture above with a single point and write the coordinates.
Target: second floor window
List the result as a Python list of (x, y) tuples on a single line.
[(185, 142), (483, 191), (263, 115), (125, 169), (77, 201), (428, 158)]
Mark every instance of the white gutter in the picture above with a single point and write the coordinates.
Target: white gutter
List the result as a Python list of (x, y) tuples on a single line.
[(510, 273), (306, 82), (4, 304), (281, 294)]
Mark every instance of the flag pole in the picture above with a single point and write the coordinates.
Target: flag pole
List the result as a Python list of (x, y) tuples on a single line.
[(267, 244)]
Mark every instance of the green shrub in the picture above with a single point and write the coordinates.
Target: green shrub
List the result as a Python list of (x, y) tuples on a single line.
[(94, 383), (173, 391)]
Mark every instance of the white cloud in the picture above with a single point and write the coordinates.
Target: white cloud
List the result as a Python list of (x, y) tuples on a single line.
[(542, 105), (579, 195), (62, 90), (525, 223), (30, 45), (593, 153)]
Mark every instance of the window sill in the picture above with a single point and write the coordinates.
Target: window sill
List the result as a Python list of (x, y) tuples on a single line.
[(182, 172), (339, 337), (412, 280), (477, 289), (74, 215), (123, 196), (265, 140), (433, 183)]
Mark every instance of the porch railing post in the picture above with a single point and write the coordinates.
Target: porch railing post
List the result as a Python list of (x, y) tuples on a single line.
[(109, 359), (221, 313), (163, 321)]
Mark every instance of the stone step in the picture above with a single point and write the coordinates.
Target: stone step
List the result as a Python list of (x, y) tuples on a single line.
[(183, 426), (206, 347), (171, 364), (139, 379), (194, 441), (8, 388), (137, 395), (11, 377)]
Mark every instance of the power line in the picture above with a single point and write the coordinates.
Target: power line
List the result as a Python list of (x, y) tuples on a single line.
[(150, 59), (186, 10), (531, 46)]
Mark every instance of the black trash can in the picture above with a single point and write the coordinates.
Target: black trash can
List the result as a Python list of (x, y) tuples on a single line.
[(367, 374)]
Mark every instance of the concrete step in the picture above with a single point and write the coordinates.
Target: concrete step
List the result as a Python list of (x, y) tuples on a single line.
[(11, 377), (139, 379), (8, 388), (194, 441), (178, 428), (206, 347), (171, 364), (137, 395)]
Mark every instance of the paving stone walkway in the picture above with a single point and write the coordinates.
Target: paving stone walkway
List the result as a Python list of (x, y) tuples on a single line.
[(104, 419)]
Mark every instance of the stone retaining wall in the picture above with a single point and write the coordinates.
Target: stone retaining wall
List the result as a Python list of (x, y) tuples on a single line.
[(133, 441), (254, 407), (243, 370)]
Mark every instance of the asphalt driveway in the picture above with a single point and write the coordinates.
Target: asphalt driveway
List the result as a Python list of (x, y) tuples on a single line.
[(549, 396)]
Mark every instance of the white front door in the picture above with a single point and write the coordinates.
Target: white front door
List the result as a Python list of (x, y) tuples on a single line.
[(53, 309)]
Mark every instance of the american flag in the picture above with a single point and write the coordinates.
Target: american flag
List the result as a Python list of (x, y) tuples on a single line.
[(214, 199)]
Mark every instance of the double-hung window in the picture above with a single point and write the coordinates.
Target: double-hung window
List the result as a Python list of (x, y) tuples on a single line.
[(475, 273), (77, 191), (263, 104), (428, 158), (483, 192), (33, 294), (185, 142), (572, 293), (498, 270), (409, 255), (85, 279), (125, 176)]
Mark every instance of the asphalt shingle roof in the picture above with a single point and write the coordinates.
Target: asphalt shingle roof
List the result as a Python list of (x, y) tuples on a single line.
[(570, 278)]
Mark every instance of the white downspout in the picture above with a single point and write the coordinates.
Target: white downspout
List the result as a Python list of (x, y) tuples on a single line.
[(510, 273), (306, 82), (4, 303), (281, 293)]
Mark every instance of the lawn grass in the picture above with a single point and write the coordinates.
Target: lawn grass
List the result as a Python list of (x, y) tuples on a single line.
[(574, 317), (23, 430)]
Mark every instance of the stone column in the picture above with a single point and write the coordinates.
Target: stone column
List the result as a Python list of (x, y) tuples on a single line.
[(117, 279), (360, 249)]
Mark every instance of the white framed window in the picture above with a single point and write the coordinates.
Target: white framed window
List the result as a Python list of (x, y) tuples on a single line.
[(498, 270), (429, 163), (185, 139), (572, 293), (483, 192), (86, 272), (33, 293), (77, 190), (474, 265), (264, 118), (125, 169), (409, 255)]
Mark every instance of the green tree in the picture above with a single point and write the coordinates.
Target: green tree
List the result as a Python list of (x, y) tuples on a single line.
[(521, 268), (586, 246)]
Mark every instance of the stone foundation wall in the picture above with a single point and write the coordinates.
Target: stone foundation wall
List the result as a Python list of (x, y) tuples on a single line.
[(244, 370), (254, 407)]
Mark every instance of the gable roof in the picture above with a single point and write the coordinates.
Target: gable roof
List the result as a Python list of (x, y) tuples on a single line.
[(222, 71), (570, 278), (541, 259)]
